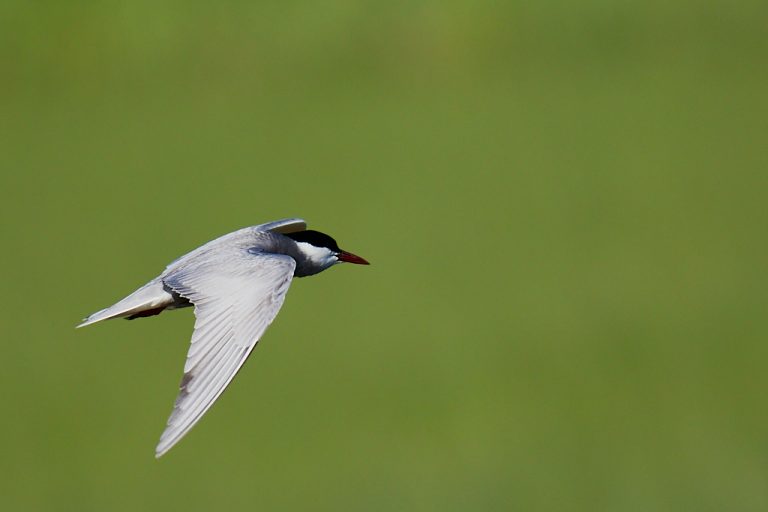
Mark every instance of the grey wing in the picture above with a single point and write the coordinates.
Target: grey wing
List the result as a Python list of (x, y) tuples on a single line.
[(234, 238), (236, 295), (283, 226)]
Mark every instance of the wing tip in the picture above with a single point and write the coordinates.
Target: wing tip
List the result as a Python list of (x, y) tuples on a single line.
[(165, 444), (289, 225)]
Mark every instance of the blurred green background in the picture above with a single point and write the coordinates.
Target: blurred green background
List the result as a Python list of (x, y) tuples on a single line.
[(564, 205)]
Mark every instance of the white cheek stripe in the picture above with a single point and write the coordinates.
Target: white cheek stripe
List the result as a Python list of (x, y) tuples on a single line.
[(317, 255)]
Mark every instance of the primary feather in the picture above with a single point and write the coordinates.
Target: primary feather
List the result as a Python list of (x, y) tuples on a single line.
[(236, 295)]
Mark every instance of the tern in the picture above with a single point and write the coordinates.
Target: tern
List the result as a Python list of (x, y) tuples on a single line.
[(236, 284)]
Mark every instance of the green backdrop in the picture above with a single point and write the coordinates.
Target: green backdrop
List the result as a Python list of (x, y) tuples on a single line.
[(564, 204)]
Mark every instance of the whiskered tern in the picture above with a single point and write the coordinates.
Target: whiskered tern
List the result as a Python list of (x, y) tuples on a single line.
[(237, 284)]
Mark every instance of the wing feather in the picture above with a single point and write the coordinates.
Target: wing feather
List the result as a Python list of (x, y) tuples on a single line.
[(236, 295)]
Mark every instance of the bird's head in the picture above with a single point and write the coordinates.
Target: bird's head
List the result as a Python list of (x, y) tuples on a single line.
[(318, 251)]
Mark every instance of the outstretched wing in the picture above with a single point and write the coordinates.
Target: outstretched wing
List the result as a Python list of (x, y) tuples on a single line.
[(236, 293)]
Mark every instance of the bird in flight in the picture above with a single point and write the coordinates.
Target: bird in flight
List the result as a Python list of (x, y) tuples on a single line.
[(236, 284)]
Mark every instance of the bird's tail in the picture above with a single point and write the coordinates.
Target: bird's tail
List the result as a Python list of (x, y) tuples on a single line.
[(148, 300)]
